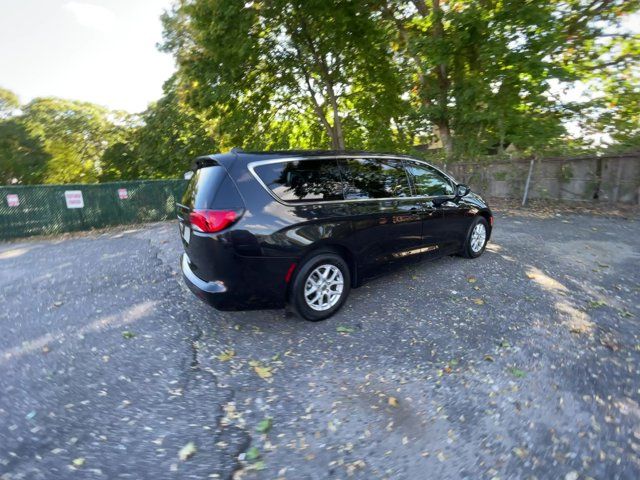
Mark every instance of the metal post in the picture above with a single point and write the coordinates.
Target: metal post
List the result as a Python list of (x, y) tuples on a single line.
[(526, 187)]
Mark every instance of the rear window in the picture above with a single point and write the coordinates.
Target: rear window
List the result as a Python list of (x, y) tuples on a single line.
[(374, 178), (303, 180), (203, 186)]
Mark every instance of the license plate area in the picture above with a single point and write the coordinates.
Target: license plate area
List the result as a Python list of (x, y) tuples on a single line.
[(185, 232)]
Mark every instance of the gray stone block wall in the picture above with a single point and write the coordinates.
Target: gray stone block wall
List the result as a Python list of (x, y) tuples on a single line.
[(614, 178)]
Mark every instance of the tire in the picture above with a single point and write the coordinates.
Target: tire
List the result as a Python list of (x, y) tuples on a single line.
[(472, 249), (311, 272)]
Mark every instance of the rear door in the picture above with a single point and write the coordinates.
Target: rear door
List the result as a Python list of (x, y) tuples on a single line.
[(386, 220)]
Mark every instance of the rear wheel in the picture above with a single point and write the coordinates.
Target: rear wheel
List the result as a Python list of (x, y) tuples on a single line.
[(321, 286), (476, 238)]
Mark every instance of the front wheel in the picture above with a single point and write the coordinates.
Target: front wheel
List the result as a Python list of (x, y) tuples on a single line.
[(476, 238), (321, 286)]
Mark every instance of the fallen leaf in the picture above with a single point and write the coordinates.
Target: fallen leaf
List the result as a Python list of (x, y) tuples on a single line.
[(488, 358), (596, 304), (252, 454), (57, 303), (516, 372), (187, 451), (471, 279), (520, 452), (478, 301), (393, 401), (343, 329), (226, 355), (78, 462), (127, 334), (264, 426), (263, 372)]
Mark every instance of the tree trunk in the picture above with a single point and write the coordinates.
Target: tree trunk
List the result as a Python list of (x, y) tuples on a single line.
[(337, 139), (444, 132), (442, 74)]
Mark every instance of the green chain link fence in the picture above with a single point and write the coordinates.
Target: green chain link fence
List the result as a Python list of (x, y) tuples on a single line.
[(44, 209)]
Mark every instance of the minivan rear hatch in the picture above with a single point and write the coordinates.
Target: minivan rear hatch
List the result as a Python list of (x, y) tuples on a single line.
[(210, 205)]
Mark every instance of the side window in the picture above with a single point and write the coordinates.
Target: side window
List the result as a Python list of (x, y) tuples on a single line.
[(303, 180), (428, 181), (374, 178)]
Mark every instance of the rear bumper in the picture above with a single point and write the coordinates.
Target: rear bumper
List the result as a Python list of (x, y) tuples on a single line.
[(257, 289), (214, 293)]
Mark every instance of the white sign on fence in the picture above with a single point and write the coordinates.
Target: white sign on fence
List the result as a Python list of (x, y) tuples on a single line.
[(74, 199), (123, 194), (13, 200)]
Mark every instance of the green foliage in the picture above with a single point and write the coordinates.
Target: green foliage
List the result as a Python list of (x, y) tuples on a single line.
[(73, 134), (473, 76), (476, 75), (22, 156), (52, 140), (288, 73), (9, 102), (172, 135)]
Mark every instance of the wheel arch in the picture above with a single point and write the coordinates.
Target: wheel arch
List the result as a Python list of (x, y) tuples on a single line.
[(337, 248), (487, 215)]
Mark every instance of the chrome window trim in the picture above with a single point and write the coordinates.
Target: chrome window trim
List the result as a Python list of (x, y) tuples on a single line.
[(252, 165)]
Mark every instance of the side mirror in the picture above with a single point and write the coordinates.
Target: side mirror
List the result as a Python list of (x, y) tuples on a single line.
[(462, 190)]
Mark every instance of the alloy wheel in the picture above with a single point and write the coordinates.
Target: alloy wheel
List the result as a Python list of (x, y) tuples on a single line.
[(323, 287), (478, 237)]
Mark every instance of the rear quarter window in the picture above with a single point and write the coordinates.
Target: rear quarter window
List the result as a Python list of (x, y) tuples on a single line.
[(202, 188), (302, 180)]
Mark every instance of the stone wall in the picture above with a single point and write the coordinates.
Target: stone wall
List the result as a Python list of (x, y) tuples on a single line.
[(613, 178)]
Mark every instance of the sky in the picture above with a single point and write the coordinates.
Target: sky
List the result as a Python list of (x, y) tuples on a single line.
[(102, 51)]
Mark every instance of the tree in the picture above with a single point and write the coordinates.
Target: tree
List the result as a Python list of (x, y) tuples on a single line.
[(483, 70), (172, 135), (22, 156), (23, 159), (261, 64), (613, 113), (9, 103), (476, 74), (74, 134)]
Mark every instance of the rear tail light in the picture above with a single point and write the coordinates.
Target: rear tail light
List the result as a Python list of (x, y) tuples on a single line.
[(211, 221)]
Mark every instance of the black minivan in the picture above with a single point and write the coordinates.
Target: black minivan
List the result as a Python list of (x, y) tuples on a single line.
[(261, 229)]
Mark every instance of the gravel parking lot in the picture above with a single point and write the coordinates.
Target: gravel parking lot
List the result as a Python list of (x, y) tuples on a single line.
[(520, 364)]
